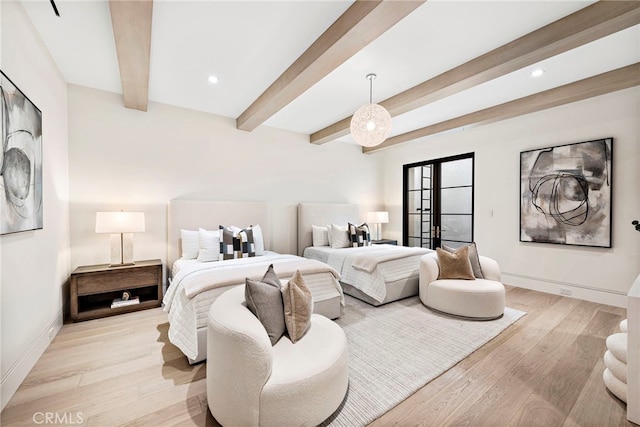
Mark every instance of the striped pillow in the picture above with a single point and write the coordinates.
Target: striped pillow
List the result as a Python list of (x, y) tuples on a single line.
[(360, 235), (236, 243)]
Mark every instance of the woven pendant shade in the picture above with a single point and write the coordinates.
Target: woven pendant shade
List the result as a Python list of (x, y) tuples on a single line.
[(371, 123)]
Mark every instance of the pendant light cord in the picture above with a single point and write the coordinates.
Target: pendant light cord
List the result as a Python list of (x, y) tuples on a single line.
[(370, 77)]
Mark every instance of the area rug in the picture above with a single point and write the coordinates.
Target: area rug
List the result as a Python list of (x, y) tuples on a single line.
[(399, 347)]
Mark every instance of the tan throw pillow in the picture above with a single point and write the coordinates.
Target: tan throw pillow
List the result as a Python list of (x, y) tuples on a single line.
[(298, 307), (473, 259), (455, 265)]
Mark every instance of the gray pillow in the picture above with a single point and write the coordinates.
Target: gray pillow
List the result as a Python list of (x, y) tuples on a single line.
[(473, 259), (264, 299)]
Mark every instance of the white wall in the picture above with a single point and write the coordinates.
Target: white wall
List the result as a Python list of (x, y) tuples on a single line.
[(35, 264), (133, 160), (603, 275)]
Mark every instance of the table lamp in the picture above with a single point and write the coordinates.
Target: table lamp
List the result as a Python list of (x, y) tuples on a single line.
[(378, 218), (121, 226)]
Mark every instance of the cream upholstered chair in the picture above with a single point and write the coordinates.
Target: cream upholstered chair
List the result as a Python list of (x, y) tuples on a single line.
[(252, 383), (481, 299)]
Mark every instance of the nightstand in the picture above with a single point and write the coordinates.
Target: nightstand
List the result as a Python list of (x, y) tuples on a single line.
[(384, 241), (94, 287)]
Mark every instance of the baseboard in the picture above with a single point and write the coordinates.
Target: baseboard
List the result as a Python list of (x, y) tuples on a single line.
[(571, 290), (20, 369)]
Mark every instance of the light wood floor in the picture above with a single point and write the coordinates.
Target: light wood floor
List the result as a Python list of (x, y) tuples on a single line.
[(545, 370)]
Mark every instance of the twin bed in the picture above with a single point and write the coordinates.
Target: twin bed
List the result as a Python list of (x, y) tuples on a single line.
[(381, 274)]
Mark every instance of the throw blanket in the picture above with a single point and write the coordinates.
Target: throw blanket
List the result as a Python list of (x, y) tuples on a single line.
[(369, 260)]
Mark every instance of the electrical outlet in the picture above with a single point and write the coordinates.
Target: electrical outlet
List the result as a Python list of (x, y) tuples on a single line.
[(565, 291)]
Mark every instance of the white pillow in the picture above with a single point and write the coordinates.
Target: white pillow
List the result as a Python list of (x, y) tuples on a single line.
[(320, 235), (339, 237), (258, 239), (209, 245), (190, 244)]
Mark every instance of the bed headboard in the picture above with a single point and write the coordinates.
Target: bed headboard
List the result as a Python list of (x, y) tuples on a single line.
[(210, 214), (322, 214)]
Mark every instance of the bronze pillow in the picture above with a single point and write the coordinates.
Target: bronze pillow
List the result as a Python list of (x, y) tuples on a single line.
[(455, 265), (298, 307), (473, 259)]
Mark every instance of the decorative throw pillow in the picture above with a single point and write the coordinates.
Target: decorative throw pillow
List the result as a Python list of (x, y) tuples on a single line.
[(473, 259), (454, 265), (360, 235), (298, 307), (189, 243), (258, 239), (320, 235), (209, 245), (339, 237), (236, 243), (264, 299)]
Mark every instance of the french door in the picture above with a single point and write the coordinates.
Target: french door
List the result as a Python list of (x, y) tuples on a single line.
[(438, 202)]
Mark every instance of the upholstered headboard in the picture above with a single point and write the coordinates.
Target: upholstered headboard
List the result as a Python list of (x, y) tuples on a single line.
[(209, 214), (322, 214)]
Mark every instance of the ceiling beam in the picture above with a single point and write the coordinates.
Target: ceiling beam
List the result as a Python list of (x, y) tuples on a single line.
[(584, 26), (131, 22), (611, 81), (360, 24)]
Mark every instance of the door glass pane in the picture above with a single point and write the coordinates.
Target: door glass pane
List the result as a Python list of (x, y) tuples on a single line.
[(414, 225), (414, 180), (454, 245), (414, 242), (456, 227), (456, 200), (414, 202), (456, 173)]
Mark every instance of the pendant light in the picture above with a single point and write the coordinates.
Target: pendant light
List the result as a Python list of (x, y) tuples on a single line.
[(371, 123)]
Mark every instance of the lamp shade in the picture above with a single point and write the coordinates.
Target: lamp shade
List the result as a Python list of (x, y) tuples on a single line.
[(119, 222), (378, 217), (370, 125)]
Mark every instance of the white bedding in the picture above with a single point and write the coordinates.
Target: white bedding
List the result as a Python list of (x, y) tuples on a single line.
[(388, 267), (193, 289)]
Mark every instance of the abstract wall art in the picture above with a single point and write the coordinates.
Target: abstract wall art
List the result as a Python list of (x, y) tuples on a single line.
[(565, 194), (20, 161)]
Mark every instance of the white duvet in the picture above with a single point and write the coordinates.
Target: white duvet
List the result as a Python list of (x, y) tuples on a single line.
[(195, 284), (370, 268)]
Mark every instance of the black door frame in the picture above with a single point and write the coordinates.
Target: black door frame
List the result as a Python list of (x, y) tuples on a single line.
[(435, 183)]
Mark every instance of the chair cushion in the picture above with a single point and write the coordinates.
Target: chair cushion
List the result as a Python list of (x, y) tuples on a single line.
[(478, 299), (309, 379), (454, 265)]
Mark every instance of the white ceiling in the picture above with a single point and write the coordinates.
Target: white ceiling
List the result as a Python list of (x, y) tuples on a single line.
[(248, 44)]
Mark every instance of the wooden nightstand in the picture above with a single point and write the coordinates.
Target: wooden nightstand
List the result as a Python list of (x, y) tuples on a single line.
[(94, 287), (384, 241)]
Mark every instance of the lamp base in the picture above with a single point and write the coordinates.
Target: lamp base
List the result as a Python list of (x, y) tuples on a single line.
[(121, 249), (378, 231)]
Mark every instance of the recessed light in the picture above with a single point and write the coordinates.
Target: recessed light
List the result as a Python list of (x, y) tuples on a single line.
[(537, 72), (213, 79)]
